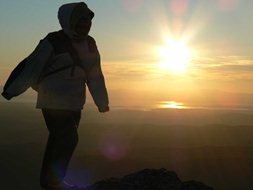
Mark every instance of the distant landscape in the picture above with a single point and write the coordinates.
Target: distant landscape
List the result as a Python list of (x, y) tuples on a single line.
[(212, 146)]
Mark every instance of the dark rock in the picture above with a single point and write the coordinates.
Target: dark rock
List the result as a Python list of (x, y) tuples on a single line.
[(194, 185), (109, 184), (148, 179)]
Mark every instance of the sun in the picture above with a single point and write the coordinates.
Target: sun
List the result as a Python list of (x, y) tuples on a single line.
[(175, 56)]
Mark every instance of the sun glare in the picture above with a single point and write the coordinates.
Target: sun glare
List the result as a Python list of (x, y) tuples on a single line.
[(175, 56)]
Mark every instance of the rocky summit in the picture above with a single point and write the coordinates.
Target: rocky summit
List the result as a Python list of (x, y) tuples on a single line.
[(149, 179)]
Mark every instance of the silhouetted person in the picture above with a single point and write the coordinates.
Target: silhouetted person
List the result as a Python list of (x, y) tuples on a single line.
[(68, 60), (62, 95)]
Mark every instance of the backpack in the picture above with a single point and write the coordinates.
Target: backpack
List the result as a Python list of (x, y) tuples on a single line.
[(61, 43)]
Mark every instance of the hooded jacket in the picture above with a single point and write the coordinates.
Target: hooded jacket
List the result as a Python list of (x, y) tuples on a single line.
[(64, 89)]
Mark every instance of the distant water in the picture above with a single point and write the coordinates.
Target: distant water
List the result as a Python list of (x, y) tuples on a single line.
[(181, 105), (172, 105)]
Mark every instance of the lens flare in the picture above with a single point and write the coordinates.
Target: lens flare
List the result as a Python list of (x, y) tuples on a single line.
[(132, 5), (113, 147), (179, 7), (227, 5)]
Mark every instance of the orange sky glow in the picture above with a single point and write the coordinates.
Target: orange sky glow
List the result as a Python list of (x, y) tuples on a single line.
[(192, 52)]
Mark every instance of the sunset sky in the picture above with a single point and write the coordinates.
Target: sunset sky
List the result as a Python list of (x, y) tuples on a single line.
[(190, 51)]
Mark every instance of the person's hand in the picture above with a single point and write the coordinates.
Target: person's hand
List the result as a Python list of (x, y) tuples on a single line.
[(104, 109)]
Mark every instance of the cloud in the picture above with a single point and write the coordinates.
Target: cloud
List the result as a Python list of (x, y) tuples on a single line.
[(224, 67), (128, 70)]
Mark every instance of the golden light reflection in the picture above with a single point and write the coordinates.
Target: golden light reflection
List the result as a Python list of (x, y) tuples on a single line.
[(172, 105)]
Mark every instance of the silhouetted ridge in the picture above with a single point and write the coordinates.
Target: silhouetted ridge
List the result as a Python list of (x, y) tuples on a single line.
[(148, 179)]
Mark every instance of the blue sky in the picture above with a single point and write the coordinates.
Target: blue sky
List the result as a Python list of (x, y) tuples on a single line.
[(24, 22)]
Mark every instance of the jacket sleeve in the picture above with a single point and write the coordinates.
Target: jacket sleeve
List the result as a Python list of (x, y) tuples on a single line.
[(96, 85), (34, 65)]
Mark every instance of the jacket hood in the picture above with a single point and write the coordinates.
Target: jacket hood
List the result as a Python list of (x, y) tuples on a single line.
[(68, 20)]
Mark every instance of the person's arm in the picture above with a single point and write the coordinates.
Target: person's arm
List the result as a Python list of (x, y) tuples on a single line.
[(97, 87), (34, 65)]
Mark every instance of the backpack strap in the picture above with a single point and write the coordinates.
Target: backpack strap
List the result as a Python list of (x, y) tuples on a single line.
[(62, 43), (75, 57)]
